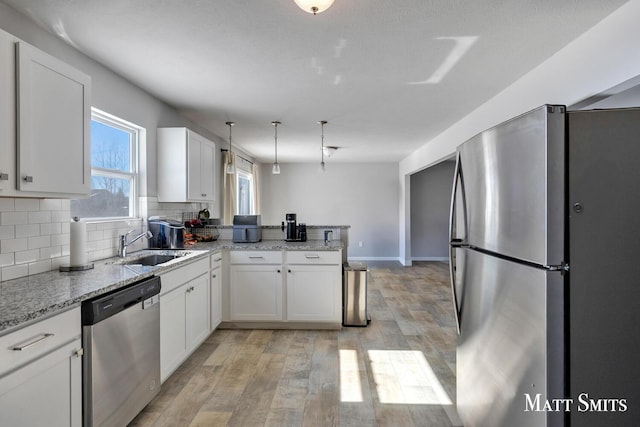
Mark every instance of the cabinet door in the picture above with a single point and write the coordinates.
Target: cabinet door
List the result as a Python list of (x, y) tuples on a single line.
[(216, 297), (197, 310), (314, 293), (54, 115), (46, 392), (194, 166), (207, 151), (200, 158), (7, 114), (173, 330), (256, 292)]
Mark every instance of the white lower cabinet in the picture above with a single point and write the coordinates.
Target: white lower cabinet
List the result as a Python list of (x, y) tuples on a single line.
[(184, 314), (314, 286), (198, 311), (256, 292), (314, 293), (216, 290), (284, 286), (41, 384)]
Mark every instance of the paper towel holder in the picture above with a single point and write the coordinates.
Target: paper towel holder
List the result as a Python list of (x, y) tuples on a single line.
[(68, 267)]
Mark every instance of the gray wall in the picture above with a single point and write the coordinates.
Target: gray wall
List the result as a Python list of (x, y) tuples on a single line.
[(362, 195), (430, 202)]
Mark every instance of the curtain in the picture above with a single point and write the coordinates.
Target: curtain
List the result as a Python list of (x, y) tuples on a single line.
[(255, 171), (228, 189)]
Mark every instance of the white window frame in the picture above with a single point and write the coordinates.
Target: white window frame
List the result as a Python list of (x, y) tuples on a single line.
[(132, 176)]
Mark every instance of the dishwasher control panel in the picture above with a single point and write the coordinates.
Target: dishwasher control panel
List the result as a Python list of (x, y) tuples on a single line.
[(104, 306)]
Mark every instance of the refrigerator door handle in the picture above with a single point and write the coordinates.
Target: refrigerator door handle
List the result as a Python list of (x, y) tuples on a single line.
[(455, 241)]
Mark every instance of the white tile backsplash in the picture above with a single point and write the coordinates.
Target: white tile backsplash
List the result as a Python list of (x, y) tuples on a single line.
[(39, 266), (28, 230), (14, 245), (15, 271), (24, 257), (35, 233), (7, 205), (14, 218), (39, 242), (51, 204), (7, 232), (40, 217), (6, 260), (27, 205)]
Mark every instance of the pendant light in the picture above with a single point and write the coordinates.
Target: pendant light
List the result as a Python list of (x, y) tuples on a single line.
[(322, 123), (276, 166), (314, 6), (231, 169)]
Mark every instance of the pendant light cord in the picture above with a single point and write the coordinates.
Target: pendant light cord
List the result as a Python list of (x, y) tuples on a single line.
[(230, 167), (322, 123), (276, 139)]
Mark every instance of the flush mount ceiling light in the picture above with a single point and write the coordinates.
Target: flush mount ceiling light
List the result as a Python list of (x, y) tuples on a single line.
[(276, 166), (314, 6), (322, 123), (328, 150), (230, 167)]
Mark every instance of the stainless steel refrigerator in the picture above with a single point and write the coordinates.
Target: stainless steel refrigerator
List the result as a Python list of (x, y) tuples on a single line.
[(545, 226)]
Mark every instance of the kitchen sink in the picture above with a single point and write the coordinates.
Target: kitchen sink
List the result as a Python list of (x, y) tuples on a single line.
[(155, 259)]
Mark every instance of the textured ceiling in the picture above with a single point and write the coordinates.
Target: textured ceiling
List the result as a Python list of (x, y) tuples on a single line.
[(387, 75)]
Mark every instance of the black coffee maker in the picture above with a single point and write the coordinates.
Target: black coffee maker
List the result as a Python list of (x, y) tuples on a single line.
[(295, 232)]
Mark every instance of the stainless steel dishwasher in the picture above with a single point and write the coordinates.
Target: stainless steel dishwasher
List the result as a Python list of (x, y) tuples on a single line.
[(121, 366)]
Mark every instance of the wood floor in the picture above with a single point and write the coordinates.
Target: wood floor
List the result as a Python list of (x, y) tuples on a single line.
[(398, 371)]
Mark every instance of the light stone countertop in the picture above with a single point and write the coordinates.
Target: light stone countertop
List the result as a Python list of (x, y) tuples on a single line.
[(24, 299), (272, 245)]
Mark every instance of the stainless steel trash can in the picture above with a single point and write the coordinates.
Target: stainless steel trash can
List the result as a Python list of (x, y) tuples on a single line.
[(354, 295)]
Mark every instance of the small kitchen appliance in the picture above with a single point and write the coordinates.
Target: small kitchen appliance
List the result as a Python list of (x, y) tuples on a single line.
[(295, 232), (247, 228), (292, 229), (167, 234)]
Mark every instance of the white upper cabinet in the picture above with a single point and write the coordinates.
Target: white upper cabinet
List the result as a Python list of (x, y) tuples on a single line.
[(7, 115), (53, 125), (186, 163), (45, 114)]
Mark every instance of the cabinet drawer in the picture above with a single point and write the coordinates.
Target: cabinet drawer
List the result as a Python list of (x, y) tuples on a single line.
[(216, 260), (255, 257), (314, 257), (180, 275), (38, 339)]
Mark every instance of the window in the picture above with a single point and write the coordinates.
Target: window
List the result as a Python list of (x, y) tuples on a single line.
[(245, 193), (114, 145)]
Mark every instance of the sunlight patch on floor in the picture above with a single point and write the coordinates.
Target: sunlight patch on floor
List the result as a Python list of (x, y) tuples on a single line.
[(350, 386), (405, 377)]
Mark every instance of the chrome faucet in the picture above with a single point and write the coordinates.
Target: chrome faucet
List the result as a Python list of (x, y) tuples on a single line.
[(122, 242)]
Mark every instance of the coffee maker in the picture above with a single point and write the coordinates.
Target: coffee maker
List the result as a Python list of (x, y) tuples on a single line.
[(295, 232)]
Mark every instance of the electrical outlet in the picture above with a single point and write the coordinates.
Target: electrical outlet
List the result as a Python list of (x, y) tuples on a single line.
[(360, 243)]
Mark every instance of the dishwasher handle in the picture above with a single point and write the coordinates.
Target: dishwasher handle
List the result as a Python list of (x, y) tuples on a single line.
[(104, 306)]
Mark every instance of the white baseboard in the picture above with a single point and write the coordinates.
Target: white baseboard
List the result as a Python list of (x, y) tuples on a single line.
[(430, 258), (406, 263), (370, 258)]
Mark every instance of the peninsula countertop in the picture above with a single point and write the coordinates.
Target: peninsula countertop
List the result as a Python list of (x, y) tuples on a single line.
[(25, 299)]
